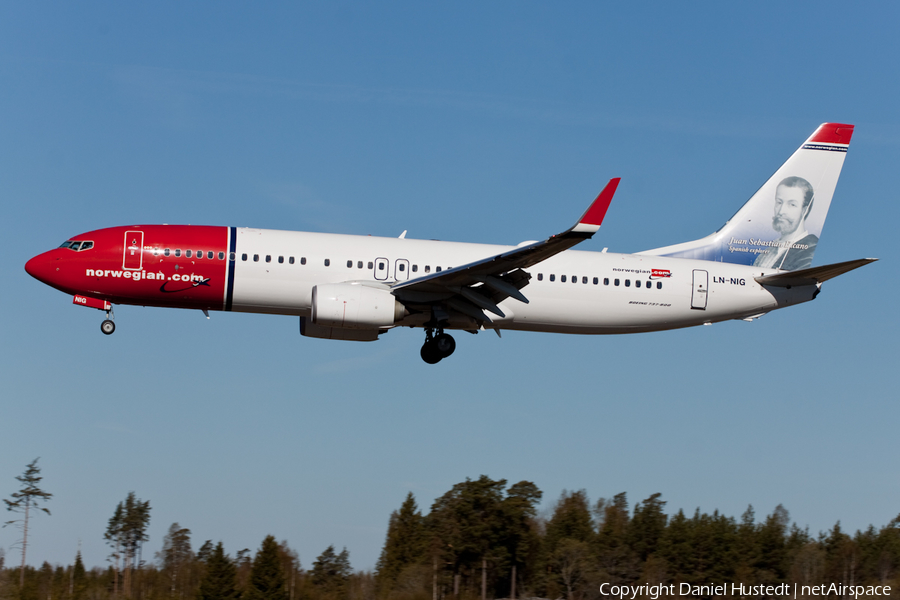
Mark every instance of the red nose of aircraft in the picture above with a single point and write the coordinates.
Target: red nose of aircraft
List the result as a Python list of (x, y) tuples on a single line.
[(44, 267)]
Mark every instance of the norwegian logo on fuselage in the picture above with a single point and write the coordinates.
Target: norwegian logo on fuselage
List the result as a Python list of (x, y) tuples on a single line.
[(660, 273)]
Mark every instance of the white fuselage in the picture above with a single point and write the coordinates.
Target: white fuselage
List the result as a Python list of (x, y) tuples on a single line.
[(572, 292)]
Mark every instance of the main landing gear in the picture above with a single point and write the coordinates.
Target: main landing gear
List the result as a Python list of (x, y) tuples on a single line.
[(108, 325), (437, 347)]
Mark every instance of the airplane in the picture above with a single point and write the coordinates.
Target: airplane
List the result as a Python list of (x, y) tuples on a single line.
[(356, 288)]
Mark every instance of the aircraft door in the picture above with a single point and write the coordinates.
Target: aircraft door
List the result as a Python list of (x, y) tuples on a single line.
[(401, 269), (701, 289), (382, 268), (133, 255)]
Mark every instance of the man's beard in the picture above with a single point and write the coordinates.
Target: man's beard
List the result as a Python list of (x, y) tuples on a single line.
[(783, 226)]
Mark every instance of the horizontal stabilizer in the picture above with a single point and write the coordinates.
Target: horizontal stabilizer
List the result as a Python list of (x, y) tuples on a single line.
[(814, 275)]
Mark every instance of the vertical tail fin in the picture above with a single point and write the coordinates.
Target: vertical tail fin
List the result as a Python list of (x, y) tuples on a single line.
[(779, 227)]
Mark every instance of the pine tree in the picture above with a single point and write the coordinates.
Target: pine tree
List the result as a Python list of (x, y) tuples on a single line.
[(571, 520), (616, 560), (126, 532), (205, 550), (569, 534), (176, 557), (79, 578), (647, 526), (404, 544), (220, 581), (27, 498), (266, 575), (520, 536), (467, 526), (331, 572)]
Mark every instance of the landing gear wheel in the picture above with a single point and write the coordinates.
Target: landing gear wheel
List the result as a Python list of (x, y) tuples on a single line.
[(430, 353), (107, 327), (445, 344)]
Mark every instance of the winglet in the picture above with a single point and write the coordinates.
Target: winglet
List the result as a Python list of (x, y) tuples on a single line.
[(592, 218)]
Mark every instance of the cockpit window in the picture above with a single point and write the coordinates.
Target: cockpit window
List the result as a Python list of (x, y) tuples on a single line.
[(76, 245)]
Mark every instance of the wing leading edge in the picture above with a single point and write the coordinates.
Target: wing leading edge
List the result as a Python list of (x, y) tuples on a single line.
[(472, 288)]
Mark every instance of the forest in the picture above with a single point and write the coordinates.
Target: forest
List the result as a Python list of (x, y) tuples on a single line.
[(482, 539)]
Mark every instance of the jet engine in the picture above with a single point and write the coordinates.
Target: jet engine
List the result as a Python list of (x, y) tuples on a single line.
[(354, 306)]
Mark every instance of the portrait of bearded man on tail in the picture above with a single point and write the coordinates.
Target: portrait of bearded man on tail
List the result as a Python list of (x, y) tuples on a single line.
[(796, 246)]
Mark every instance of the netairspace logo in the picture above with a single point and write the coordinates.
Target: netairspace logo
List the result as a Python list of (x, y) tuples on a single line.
[(631, 592)]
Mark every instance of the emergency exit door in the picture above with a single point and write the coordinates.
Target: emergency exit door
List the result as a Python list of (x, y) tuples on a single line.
[(701, 289), (134, 244)]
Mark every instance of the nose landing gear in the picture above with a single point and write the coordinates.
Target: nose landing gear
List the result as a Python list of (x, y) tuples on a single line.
[(108, 326), (437, 347)]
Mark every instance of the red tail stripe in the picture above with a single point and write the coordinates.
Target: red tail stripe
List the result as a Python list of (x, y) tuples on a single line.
[(833, 133)]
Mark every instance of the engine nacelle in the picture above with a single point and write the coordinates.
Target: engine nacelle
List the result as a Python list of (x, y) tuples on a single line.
[(354, 306)]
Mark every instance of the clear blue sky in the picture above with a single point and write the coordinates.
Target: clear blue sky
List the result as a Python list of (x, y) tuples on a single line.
[(492, 122)]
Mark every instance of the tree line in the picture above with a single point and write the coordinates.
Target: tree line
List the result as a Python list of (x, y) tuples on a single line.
[(482, 539)]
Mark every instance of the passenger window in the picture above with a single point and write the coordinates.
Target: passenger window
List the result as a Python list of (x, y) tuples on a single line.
[(177, 252), (584, 280), (659, 285), (268, 258), (540, 276), (231, 256), (256, 258), (637, 283), (327, 262), (302, 260), (381, 265), (574, 278), (371, 265), (156, 252), (552, 277), (616, 282), (210, 254), (187, 253), (428, 268), (596, 280), (415, 268), (243, 257), (562, 278), (437, 269), (359, 264), (649, 284), (166, 252), (627, 283), (291, 260), (402, 267), (199, 253), (221, 256), (349, 264), (280, 260), (606, 281)]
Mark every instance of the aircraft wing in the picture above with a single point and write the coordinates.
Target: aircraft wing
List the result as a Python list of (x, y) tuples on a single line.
[(484, 283), (813, 275)]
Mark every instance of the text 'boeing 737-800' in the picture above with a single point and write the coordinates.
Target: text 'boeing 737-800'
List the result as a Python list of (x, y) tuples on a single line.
[(347, 287)]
